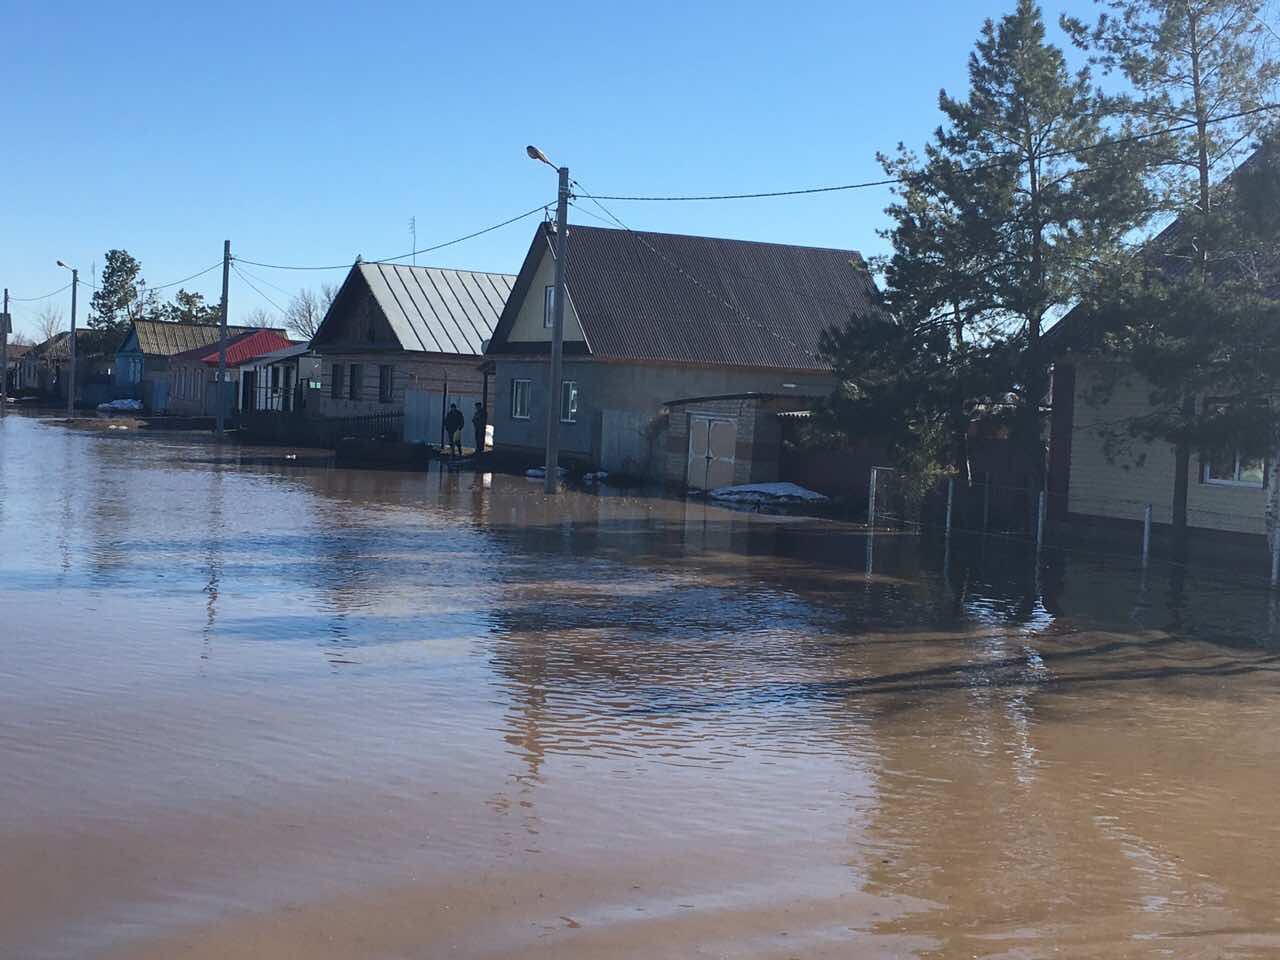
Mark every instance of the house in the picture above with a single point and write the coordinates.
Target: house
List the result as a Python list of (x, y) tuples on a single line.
[(280, 381), (401, 338), (42, 370), (142, 360), (13, 367), (193, 373), (680, 352), (1089, 478)]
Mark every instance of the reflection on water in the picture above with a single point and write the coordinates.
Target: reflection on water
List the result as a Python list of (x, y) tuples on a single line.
[(238, 687)]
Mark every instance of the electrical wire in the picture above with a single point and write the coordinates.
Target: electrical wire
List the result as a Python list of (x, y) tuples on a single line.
[(44, 296), (265, 282), (412, 253), (995, 161), (256, 290), (165, 286)]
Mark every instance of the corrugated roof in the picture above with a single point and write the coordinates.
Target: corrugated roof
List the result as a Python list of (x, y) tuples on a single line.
[(165, 339), (240, 349), (437, 310), (670, 297)]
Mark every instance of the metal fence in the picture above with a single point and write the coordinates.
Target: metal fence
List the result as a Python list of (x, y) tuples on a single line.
[(948, 505), (298, 429)]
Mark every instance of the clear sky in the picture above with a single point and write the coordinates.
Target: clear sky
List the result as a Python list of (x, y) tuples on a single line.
[(310, 133)]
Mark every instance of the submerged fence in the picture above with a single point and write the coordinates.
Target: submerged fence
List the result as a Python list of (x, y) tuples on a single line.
[(310, 431), (947, 505)]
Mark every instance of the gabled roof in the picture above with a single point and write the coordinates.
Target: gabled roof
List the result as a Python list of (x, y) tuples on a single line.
[(240, 349), (429, 309), (1170, 253), (18, 350), (165, 339), (704, 300)]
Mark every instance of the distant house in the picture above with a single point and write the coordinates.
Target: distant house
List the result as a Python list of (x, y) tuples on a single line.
[(43, 369), (1087, 481), (280, 381), (398, 335), (193, 373), (16, 351), (680, 352), (142, 360)]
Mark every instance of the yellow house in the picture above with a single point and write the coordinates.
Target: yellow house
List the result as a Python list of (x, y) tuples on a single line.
[(1096, 471)]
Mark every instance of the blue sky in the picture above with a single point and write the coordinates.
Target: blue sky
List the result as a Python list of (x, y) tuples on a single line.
[(310, 133)]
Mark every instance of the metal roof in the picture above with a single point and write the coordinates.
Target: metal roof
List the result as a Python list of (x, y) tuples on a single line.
[(166, 339), (286, 353), (246, 346), (705, 300), (436, 310)]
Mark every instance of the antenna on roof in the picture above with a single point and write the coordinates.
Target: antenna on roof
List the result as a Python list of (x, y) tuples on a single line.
[(413, 232)]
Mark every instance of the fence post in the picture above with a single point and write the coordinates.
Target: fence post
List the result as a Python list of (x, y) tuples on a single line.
[(871, 503), (1275, 558), (951, 494), (986, 503), (1146, 535), (1040, 509)]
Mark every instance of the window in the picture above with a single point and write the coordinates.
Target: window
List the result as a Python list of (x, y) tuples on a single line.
[(548, 306), (520, 399), (568, 401), (386, 382), (1231, 467), (335, 384), (355, 382), (1236, 469)]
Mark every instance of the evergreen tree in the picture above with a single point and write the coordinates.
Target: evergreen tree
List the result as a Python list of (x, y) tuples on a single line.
[(190, 307), (114, 303), (995, 231), (1201, 79)]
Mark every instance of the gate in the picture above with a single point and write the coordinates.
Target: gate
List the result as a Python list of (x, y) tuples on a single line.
[(424, 414), (712, 444)]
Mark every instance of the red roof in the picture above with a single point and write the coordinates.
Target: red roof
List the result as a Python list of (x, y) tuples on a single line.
[(240, 349)]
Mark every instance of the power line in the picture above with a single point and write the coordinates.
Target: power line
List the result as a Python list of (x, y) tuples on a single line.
[(255, 289), (44, 296), (267, 283), (164, 286), (890, 181), (439, 246)]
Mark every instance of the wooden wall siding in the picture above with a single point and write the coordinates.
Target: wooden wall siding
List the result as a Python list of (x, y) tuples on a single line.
[(358, 322), (1119, 488), (422, 373)]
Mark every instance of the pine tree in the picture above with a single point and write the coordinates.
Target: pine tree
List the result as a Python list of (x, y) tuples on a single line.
[(998, 229), (1201, 79), (117, 294)]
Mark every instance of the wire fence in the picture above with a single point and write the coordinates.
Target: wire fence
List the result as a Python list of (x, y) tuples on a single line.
[(1048, 519)]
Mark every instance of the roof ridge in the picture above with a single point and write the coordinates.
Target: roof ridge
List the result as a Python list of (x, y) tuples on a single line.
[(699, 236), (427, 266)]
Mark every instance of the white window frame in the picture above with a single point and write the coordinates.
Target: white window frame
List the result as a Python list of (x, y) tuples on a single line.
[(549, 306), (516, 392), (1234, 480), (569, 401)]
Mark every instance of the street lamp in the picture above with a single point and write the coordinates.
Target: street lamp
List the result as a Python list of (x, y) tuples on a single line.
[(71, 343), (552, 481)]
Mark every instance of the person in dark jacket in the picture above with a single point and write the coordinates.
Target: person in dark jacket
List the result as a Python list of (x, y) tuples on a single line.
[(454, 421), (480, 420)]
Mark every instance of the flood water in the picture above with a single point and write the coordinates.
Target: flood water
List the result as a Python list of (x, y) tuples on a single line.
[(255, 707)]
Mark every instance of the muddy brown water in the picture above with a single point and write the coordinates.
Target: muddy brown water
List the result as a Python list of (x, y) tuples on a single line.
[(253, 707)]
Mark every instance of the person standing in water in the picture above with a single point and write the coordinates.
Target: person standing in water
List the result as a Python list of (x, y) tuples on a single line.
[(454, 421), (480, 420)]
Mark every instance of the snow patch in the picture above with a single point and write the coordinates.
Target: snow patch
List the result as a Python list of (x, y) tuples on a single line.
[(766, 493), (538, 473), (133, 406)]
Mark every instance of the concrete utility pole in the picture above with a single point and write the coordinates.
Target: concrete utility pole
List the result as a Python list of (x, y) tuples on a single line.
[(221, 391), (4, 350), (552, 481), (71, 343)]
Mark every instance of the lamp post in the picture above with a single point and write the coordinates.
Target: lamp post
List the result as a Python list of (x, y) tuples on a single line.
[(552, 481), (71, 342)]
